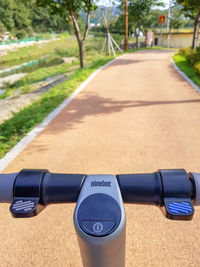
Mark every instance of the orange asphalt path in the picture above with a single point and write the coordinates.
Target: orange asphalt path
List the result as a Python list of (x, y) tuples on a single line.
[(136, 115)]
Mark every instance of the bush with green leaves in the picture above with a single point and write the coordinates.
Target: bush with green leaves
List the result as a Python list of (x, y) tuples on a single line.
[(186, 51), (197, 67), (21, 34), (192, 56)]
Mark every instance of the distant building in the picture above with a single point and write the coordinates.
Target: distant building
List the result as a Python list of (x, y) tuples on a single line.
[(178, 40)]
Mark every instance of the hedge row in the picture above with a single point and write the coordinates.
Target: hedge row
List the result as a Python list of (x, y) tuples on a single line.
[(192, 56)]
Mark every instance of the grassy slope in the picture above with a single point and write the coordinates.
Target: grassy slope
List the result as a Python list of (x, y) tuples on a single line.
[(14, 129), (183, 65), (25, 54), (58, 49), (36, 76), (62, 48)]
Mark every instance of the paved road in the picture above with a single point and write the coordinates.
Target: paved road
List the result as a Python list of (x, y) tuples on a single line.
[(137, 115)]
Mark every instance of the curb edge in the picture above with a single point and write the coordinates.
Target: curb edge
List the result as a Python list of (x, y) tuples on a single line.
[(194, 85)]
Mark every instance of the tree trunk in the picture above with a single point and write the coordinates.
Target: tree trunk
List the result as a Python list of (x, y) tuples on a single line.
[(137, 30), (126, 26), (87, 25), (137, 41), (81, 53), (196, 31), (79, 39)]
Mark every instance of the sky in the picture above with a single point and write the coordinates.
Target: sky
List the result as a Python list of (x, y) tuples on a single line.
[(107, 2), (166, 2)]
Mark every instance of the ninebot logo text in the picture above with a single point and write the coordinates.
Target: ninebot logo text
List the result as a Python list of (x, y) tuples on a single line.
[(101, 183)]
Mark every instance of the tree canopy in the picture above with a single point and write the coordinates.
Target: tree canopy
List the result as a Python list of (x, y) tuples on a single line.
[(18, 15), (191, 9), (190, 6)]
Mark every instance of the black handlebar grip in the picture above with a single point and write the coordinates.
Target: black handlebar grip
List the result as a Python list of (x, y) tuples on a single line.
[(141, 188), (6, 187), (61, 188)]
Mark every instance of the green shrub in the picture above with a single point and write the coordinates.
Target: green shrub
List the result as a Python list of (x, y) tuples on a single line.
[(197, 67), (191, 55), (21, 34), (186, 51), (198, 49), (193, 58)]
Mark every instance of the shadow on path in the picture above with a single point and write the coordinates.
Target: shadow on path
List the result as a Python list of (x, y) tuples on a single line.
[(94, 105)]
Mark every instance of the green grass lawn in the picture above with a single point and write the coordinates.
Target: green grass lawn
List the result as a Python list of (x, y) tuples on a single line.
[(184, 66)]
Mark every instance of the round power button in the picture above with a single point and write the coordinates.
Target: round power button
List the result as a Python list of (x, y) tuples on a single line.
[(98, 227)]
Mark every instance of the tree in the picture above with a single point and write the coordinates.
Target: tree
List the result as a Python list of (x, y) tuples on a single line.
[(71, 9), (191, 9), (14, 14), (118, 27), (139, 10), (21, 15), (2, 28), (176, 21), (6, 13), (43, 20)]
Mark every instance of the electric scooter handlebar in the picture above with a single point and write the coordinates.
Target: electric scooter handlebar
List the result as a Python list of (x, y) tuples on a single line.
[(99, 216), (30, 191)]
